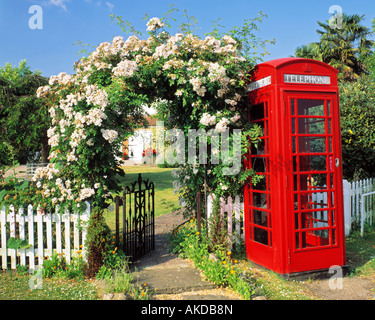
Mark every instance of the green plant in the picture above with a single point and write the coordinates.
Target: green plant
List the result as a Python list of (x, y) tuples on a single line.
[(12, 190), (14, 243), (357, 120), (97, 241), (56, 266), (141, 292), (216, 264), (118, 279), (16, 285), (24, 119), (113, 259), (217, 235)]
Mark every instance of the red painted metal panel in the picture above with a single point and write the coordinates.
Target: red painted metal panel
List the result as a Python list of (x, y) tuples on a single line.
[(294, 217)]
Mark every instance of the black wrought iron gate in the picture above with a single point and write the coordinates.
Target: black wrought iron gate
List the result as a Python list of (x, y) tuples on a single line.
[(138, 219)]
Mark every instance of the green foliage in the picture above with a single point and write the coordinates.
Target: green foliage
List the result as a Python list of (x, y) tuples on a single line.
[(118, 278), (14, 243), (56, 266), (357, 123), (112, 259), (343, 48), (218, 234), (369, 59), (361, 251), (98, 242), (216, 264), (12, 190), (24, 119)]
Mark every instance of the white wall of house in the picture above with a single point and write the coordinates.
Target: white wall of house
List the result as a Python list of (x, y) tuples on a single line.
[(141, 140)]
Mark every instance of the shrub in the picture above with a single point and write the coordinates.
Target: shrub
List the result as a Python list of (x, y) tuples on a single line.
[(357, 122), (97, 241), (56, 266), (216, 264)]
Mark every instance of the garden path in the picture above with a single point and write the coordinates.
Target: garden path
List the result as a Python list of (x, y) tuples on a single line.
[(170, 276)]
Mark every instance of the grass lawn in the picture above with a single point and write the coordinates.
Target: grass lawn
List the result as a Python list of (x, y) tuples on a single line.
[(361, 252), (15, 286), (165, 199)]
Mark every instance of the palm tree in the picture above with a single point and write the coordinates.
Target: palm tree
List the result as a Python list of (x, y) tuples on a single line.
[(342, 48), (309, 51)]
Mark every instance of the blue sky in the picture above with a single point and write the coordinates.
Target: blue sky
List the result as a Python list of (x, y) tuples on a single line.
[(65, 22)]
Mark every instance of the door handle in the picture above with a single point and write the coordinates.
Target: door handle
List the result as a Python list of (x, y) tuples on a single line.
[(337, 162)]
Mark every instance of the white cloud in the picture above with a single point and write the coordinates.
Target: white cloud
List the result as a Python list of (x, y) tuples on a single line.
[(59, 3), (109, 5)]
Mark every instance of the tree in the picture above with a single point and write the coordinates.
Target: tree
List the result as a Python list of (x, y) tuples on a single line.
[(369, 60), (309, 51), (24, 119), (343, 48), (357, 104)]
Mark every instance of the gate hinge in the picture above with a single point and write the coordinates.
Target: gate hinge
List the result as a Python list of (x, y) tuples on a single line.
[(289, 257)]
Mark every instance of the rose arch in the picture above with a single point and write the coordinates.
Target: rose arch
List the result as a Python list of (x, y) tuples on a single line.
[(200, 83)]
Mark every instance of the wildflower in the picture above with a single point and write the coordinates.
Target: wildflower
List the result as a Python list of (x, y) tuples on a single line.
[(197, 233), (81, 246), (113, 252), (110, 135), (207, 119), (80, 256), (221, 126), (154, 24), (125, 68), (232, 272), (229, 253)]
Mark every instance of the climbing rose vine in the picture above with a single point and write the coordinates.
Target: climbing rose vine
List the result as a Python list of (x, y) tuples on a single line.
[(196, 84)]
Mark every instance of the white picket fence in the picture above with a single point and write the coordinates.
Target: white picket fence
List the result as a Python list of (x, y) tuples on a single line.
[(46, 233), (234, 226), (359, 204), (359, 208)]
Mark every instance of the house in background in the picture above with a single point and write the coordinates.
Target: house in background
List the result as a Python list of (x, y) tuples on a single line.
[(142, 139)]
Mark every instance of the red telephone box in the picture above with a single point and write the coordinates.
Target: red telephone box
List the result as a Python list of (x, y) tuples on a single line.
[(294, 219)]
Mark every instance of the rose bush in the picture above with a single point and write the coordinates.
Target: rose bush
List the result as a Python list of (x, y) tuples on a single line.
[(195, 83), (97, 108)]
